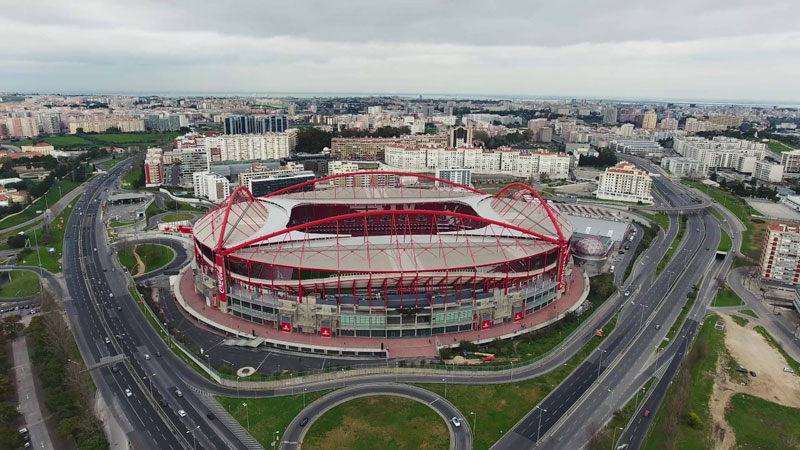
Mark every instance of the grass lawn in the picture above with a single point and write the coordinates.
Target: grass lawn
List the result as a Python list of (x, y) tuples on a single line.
[(749, 312), (673, 330), (500, 406), (725, 243), (113, 162), (760, 424), (661, 218), (741, 321), (718, 215), (153, 139), (379, 422), (60, 141), (690, 393), (177, 217), (40, 204), (726, 297), (778, 146), (54, 239), (772, 342), (267, 415), (131, 177), (22, 284), (153, 256), (674, 246), (753, 237), (115, 224)]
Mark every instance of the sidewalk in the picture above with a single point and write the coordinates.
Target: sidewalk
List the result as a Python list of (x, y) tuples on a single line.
[(195, 305), (28, 401)]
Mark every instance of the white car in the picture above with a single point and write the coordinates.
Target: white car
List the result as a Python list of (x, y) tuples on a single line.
[(788, 370), (128, 393), (108, 340), (627, 293), (182, 413), (456, 422)]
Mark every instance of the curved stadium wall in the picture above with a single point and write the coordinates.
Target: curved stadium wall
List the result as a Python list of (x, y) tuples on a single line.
[(382, 254)]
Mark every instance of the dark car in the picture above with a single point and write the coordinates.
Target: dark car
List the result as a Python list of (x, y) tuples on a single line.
[(211, 416), (304, 421), (163, 403)]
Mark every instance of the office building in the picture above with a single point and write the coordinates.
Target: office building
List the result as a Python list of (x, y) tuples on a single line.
[(681, 167), (193, 159), (267, 184), (256, 124), (262, 170), (768, 172), (457, 175), (649, 120), (638, 147), (624, 182), (154, 167), (780, 255), (211, 186), (460, 137)]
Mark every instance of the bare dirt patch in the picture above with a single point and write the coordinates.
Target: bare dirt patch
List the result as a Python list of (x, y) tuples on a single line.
[(751, 351)]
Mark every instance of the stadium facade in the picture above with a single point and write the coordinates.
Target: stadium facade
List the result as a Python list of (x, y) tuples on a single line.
[(419, 257)]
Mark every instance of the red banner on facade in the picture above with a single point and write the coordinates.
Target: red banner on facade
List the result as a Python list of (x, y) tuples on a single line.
[(325, 332), (220, 269), (517, 316), (286, 327), (486, 324)]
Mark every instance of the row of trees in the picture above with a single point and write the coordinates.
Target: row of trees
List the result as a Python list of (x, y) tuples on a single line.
[(605, 158), (313, 140), (68, 389), (9, 416), (747, 190)]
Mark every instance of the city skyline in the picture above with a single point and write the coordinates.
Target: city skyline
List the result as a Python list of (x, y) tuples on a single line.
[(598, 51)]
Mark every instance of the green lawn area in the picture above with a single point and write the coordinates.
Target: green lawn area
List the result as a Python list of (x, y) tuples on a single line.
[(177, 217), (619, 420), (267, 415), (113, 162), (60, 141), (115, 224), (725, 243), (131, 177), (661, 218), (153, 256), (500, 406), (777, 346), (154, 139), (674, 246), (760, 424), (749, 312), (379, 422), (726, 297), (718, 215), (54, 239), (23, 283), (753, 236), (778, 147), (741, 321), (689, 394), (40, 204)]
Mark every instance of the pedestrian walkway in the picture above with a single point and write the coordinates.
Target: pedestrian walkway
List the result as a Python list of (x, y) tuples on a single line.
[(195, 305), (28, 401)]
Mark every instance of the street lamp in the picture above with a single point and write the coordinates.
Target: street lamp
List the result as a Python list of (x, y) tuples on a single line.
[(474, 423), (445, 387), (150, 381), (194, 440), (600, 361), (614, 437), (539, 428), (247, 413), (304, 397), (637, 396)]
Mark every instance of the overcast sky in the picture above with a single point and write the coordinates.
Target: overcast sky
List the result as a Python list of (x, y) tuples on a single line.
[(679, 49)]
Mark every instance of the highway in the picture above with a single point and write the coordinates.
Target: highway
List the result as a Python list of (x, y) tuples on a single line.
[(100, 307), (460, 437)]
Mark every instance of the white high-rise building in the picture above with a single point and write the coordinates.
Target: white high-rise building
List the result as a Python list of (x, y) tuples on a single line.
[(720, 152), (624, 182), (458, 175), (211, 186), (768, 172), (681, 167), (780, 255)]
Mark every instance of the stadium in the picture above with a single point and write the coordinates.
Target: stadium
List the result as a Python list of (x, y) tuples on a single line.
[(382, 254)]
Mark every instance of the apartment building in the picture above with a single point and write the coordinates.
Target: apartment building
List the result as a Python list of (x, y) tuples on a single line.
[(373, 149), (681, 167), (256, 124), (649, 120), (780, 255), (21, 127), (211, 186), (342, 167), (624, 182), (768, 172), (720, 152), (154, 167), (791, 163), (246, 147), (124, 124), (458, 175)]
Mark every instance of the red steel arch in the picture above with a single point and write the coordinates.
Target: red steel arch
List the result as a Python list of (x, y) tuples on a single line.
[(522, 186), (374, 172)]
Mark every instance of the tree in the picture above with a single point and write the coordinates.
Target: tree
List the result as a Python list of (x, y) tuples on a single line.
[(312, 140), (16, 241)]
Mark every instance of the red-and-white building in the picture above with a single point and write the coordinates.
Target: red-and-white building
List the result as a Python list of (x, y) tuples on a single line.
[(154, 167), (780, 255), (422, 258)]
